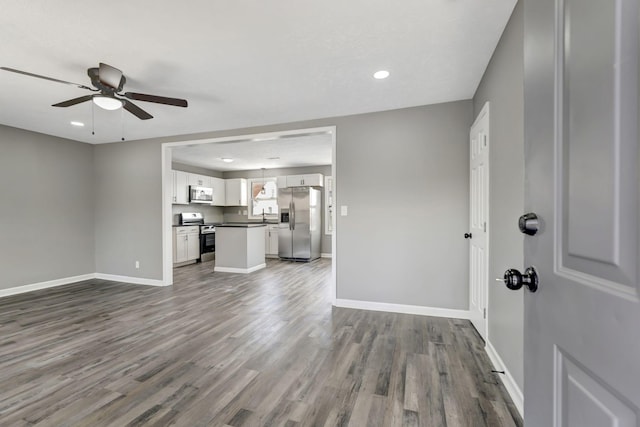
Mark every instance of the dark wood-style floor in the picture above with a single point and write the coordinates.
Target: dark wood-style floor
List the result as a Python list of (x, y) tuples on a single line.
[(264, 349)]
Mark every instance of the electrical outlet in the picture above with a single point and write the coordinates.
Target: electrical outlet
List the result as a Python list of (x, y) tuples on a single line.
[(344, 210), (137, 264)]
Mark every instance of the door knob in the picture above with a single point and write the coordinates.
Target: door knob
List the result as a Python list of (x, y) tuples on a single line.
[(515, 280), (467, 235), (528, 224)]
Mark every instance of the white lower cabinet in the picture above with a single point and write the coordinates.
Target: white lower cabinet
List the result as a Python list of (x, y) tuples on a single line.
[(186, 243), (271, 240)]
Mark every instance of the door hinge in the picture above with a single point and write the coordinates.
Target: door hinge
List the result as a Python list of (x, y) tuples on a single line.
[(485, 226), (484, 313)]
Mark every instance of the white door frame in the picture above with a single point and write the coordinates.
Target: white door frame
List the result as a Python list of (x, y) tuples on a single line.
[(481, 318), (167, 184)]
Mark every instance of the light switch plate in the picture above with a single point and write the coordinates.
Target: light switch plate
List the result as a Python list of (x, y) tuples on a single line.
[(344, 210)]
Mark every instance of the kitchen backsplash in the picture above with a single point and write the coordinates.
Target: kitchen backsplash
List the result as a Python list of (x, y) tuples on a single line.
[(210, 213)]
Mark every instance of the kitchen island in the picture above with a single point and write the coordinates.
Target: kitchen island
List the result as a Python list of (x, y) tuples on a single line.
[(240, 247)]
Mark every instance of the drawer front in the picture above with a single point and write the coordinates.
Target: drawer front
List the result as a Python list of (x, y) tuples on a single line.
[(188, 230)]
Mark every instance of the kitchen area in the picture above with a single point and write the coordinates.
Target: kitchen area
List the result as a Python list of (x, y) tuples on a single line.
[(236, 218)]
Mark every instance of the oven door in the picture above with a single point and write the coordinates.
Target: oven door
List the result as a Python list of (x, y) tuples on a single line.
[(207, 243)]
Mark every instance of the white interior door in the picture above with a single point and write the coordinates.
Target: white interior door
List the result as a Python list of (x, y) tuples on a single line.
[(582, 326), (479, 212)]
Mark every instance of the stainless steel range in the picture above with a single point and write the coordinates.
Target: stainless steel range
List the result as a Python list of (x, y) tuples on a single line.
[(191, 218), (207, 238)]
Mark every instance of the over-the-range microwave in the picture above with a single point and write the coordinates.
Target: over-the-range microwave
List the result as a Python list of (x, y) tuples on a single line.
[(199, 194)]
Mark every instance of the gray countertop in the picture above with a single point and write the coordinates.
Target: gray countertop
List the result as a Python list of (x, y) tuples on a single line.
[(242, 224)]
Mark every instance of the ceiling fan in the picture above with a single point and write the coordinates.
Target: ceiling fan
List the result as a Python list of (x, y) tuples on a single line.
[(108, 82)]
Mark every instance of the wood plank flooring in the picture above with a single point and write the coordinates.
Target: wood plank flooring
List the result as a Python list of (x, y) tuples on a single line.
[(221, 349)]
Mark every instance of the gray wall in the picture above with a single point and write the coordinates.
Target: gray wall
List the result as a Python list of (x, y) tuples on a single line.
[(46, 214), (502, 86), (128, 200), (403, 174), (231, 214)]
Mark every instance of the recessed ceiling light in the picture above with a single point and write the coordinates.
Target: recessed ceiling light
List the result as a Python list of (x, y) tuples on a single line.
[(227, 160), (79, 124), (382, 74)]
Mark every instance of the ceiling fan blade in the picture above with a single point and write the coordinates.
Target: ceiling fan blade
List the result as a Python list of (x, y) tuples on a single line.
[(157, 99), (73, 101), (136, 111), (13, 70), (110, 76)]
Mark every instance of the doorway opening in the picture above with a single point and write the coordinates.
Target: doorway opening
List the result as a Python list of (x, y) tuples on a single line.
[(246, 141)]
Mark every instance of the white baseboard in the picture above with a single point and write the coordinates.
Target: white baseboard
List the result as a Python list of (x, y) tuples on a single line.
[(44, 285), (239, 270), (326, 255), (507, 379), (129, 279), (404, 309)]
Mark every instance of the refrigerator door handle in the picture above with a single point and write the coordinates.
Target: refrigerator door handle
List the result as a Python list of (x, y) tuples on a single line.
[(290, 215), (293, 209)]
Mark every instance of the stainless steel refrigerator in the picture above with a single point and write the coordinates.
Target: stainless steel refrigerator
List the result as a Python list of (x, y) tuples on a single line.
[(300, 223)]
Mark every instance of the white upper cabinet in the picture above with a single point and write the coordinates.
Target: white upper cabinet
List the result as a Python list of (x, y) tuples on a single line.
[(236, 192), (199, 180), (180, 188), (219, 192), (307, 180), (281, 181)]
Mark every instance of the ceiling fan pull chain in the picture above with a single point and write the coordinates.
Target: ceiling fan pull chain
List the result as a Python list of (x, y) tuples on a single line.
[(122, 121), (93, 119)]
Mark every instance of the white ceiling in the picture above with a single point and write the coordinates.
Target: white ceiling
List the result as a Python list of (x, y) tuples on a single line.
[(240, 63), (269, 153)]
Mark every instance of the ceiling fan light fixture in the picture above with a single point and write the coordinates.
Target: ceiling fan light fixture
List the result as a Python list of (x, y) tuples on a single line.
[(107, 102)]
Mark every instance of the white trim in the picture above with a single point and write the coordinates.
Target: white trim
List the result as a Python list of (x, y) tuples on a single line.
[(75, 279), (477, 318), (166, 230), (45, 285), (129, 279), (326, 256), (404, 309), (328, 194), (239, 270), (334, 231), (507, 379)]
